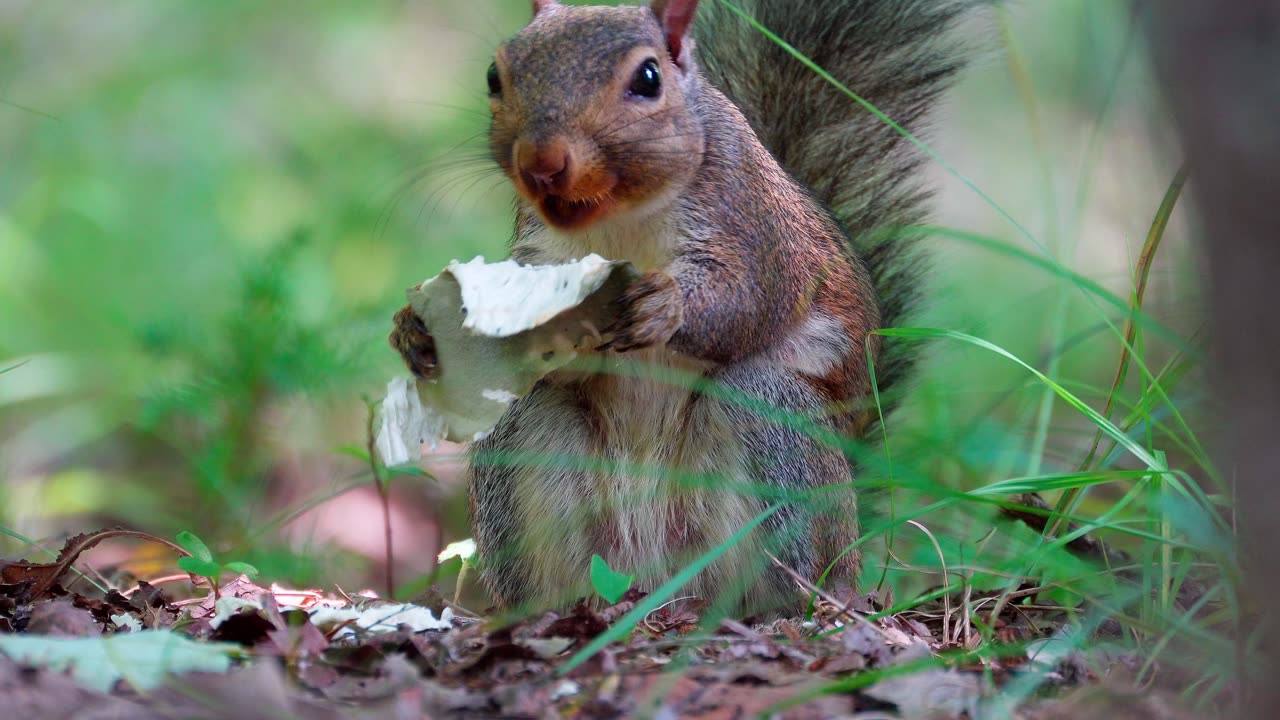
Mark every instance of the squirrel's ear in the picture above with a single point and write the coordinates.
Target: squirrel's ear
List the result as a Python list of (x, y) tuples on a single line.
[(676, 17), (540, 5)]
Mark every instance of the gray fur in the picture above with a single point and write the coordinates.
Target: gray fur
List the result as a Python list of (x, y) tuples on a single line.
[(790, 463), (514, 467), (775, 306), (559, 509)]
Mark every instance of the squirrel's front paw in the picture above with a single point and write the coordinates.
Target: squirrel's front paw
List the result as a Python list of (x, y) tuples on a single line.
[(650, 311), (411, 339)]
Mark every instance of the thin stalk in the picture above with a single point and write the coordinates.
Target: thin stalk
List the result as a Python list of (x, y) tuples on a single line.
[(1026, 91), (1141, 275), (384, 494)]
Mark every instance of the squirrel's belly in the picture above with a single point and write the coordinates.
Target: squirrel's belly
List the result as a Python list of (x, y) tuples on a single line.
[(643, 413), (664, 478), (677, 484)]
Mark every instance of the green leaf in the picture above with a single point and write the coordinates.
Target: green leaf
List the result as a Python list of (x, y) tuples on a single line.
[(145, 658), (609, 583), (241, 568), (199, 567), (358, 453), (667, 590), (194, 545)]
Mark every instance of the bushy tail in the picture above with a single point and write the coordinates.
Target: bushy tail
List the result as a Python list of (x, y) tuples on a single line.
[(899, 55)]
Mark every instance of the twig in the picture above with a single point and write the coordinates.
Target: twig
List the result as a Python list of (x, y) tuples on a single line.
[(946, 599), (846, 609), (968, 620), (459, 611), (672, 601), (789, 650), (128, 592), (46, 574), (611, 614), (1014, 595), (1084, 546)]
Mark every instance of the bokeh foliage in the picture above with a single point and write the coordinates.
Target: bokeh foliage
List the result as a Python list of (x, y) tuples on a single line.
[(209, 212)]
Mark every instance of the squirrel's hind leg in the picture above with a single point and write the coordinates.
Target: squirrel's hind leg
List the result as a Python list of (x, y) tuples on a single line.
[(528, 500), (810, 529)]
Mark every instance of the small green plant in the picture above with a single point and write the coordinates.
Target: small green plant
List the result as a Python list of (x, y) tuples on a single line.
[(201, 561), (465, 552), (609, 583)]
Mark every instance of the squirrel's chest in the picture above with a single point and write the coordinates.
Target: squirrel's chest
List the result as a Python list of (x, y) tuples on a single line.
[(648, 243), (641, 407)]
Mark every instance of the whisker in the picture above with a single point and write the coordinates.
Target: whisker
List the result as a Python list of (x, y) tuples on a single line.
[(440, 167), (620, 143), (464, 191), (475, 112), (499, 182), (658, 114), (456, 163), (435, 199), (464, 142), (608, 128), (639, 154)]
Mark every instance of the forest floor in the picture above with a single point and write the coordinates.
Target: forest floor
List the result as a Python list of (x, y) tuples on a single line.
[(270, 652)]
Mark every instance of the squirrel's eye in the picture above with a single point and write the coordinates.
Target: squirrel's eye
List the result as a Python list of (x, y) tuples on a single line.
[(495, 81), (647, 82)]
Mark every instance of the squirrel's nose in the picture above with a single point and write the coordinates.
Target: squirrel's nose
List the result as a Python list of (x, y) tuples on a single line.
[(544, 169)]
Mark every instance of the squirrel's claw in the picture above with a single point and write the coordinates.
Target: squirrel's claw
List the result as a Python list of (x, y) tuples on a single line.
[(650, 312)]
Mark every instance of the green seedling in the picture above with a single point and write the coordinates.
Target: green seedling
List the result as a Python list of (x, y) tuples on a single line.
[(609, 583), (201, 562)]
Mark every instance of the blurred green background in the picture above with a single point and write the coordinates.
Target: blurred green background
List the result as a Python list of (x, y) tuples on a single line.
[(210, 211)]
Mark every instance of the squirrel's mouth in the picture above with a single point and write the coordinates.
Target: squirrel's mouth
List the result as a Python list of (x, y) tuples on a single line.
[(566, 214)]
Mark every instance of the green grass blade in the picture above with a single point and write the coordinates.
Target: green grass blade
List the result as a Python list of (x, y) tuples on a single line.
[(666, 591), (1142, 274), (1094, 416), (1050, 483), (1026, 92), (888, 456), (1089, 285), (1131, 338), (1177, 479), (14, 367), (925, 148)]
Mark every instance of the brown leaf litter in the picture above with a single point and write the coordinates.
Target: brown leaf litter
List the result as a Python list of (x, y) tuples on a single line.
[(316, 655)]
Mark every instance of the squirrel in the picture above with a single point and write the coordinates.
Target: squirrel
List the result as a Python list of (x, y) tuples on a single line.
[(769, 217)]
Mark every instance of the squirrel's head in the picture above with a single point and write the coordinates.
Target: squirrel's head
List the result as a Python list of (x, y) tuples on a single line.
[(591, 109)]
